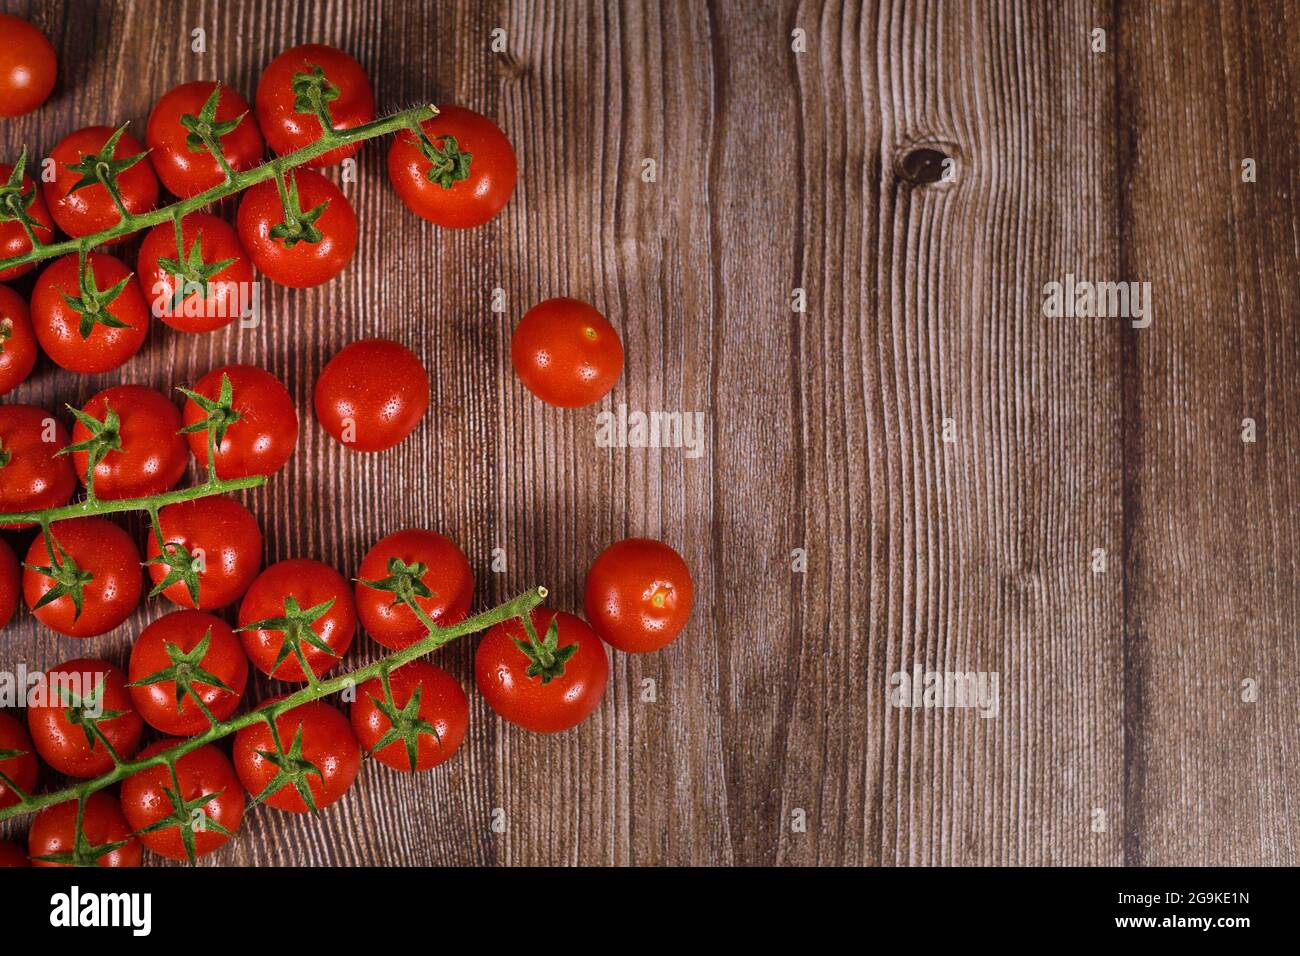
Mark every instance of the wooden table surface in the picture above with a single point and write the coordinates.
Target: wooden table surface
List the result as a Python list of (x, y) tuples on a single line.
[(950, 460)]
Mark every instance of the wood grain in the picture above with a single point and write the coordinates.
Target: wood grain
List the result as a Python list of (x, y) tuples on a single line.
[(1121, 735)]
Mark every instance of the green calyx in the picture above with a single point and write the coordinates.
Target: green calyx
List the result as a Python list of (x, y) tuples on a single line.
[(5, 779), (292, 768), (406, 723), (104, 437), (92, 304), (298, 226), (69, 579), (87, 713), (449, 163), (218, 415), (14, 203), (404, 582), (296, 625), (547, 658), (181, 567), (192, 273), (83, 852), (184, 818), (312, 94), (186, 670), (102, 168), (204, 130)]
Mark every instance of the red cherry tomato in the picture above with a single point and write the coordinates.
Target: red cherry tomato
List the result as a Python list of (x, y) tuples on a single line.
[(342, 85), (638, 595), (75, 709), (180, 660), (11, 854), (214, 551), (177, 152), (96, 335), (90, 209), (422, 565), (215, 275), (133, 432), (28, 66), (566, 686), (13, 237), (17, 341), (295, 610), (474, 175), (409, 734), (317, 751), (11, 582), (372, 394), (53, 837), (95, 583), (33, 475), (204, 803), (262, 426), (566, 353), (311, 253), (22, 768)]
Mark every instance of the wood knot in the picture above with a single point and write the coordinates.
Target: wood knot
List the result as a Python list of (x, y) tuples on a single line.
[(926, 164)]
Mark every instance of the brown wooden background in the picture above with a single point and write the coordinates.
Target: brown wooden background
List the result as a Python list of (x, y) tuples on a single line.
[(1121, 692)]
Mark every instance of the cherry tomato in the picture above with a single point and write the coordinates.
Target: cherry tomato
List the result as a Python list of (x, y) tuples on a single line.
[(177, 152), (11, 854), (95, 583), (638, 595), (260, 424), (28, 66), (214, 551), (215, 276), (550, 687), (317, 753), (90, 208), (13, 237), (474, 174), (132, 432), (297, 610), (18, 761), (423, 725), (420, 565), (107, 838), (94, 333), (33, 475), (17, 341), (372, 394), (180, 660), (77, 707), (203, 803), (566, 353), (303, 253), (11, 578), (328, 73)]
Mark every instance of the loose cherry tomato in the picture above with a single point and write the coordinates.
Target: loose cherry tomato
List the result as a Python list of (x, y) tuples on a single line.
[(106, 837), (462, 176), (188, 815), (17, 340), (258, 424), (566, 353), (11, 854), (417, 565), (33, 475), (638, 595), (177, 127), (94, 331), (183, 664), (28, 66), (420, 726), (298, 614), (214, 277), (372, 394), (553, 685), (18, 763), (304, 249), (317, 755), (299, 80), (77, 712), (18, 191), (93, 582), (11, 582), (213, 552), (131, 433), (78, 200)]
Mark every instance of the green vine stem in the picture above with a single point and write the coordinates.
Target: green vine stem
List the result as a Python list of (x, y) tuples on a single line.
[(518, 606), (330, 139), (90, 507)]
